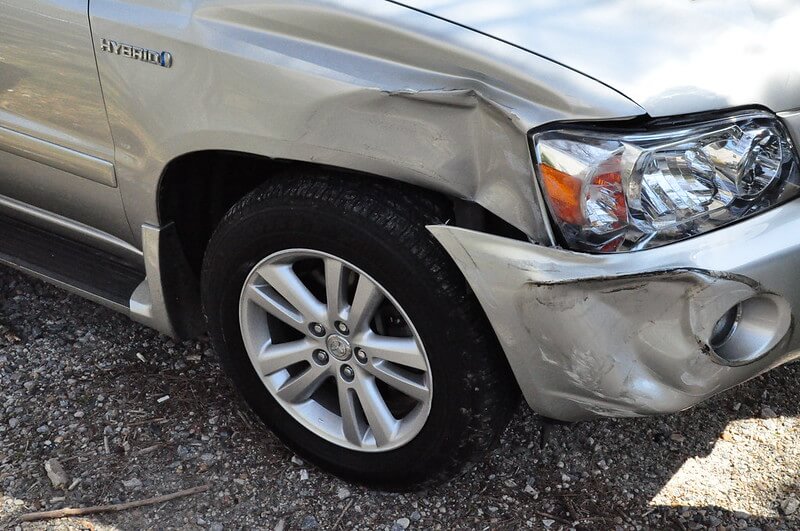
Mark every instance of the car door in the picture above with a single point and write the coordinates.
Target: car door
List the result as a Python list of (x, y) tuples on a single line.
[(56, 150)]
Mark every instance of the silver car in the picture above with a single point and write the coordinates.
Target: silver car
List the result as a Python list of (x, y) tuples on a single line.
[(393, 218)]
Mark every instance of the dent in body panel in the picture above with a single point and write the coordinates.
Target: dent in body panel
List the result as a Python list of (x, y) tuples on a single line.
[(606, 314), (620, 336), (372, 87)]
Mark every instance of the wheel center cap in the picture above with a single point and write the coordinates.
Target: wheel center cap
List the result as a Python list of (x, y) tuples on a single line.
[(339, 347)]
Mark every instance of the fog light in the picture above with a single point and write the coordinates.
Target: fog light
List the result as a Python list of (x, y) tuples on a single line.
[(725, 327)]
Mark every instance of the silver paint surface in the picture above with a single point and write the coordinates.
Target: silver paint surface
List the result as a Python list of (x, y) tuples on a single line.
[(368, 86), (58, 157), (57, 150), (671, 57), (626, 334), (49, 87), (148, 305)]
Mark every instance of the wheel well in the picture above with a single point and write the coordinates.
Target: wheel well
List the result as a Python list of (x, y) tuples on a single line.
[(197, 189)]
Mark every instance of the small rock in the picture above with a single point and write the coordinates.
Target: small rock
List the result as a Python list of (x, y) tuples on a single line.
[(280, 526), (530, 490), (342, 493), (677, 437), (303, 475), (216, 527), (13, 422), (416, 516), (768, 413), (297, 461), (790, 505), (309, 522), (403, 523), (56, 473), (547, 522), (133, 483), (79, 414)]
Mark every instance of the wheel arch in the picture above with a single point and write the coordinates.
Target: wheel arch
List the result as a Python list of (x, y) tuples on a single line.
[(196, 189)]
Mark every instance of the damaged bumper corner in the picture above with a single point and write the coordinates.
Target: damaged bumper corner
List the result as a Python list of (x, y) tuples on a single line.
[(630, 334)]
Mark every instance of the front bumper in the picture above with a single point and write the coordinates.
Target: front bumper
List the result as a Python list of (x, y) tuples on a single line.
[(628, 334)]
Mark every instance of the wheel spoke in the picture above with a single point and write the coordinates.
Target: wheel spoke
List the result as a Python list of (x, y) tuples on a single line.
[(276, 308), (301, 387), (406, 383), (379, 418), (273, 358), (401, 350), (282, 278), (335, 278), (351, 424), (365, 302)]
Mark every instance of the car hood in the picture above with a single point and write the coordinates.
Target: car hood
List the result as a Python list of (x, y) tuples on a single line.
[(669, 57)]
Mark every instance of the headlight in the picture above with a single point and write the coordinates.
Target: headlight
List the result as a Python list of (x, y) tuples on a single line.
[(623, 191)]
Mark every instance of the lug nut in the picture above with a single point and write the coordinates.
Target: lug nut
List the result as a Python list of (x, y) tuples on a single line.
[(342, 328), (317, 329), (348, 373), (321, 357), (361, 356)]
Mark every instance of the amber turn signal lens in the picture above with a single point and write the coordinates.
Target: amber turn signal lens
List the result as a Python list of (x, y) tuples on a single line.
[(564, 194)]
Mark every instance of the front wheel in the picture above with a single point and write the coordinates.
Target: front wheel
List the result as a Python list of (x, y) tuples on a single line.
[(350, 331)]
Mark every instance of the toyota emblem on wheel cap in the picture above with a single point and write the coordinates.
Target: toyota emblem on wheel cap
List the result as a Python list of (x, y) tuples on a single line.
[(339, 347)]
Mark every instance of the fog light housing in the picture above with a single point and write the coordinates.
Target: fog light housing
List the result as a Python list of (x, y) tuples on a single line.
[(725, 327), (750, 330)]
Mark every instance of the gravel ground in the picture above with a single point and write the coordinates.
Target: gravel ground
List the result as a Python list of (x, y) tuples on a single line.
[(87, 387)]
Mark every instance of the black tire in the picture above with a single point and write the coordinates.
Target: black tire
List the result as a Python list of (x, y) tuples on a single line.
[(379, 227)]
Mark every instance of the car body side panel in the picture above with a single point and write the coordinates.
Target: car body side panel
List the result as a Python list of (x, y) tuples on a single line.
[(369, 86), (56, 149), (48, 77)]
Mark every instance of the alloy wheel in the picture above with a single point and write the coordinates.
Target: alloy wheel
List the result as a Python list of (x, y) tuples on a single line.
[(335, 350)]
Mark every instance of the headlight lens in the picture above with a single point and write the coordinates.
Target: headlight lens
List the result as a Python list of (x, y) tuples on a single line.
[(611, 191)]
